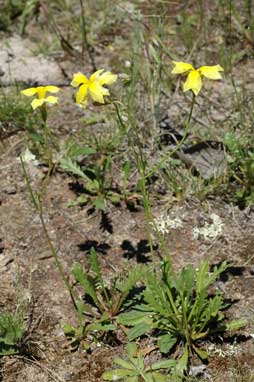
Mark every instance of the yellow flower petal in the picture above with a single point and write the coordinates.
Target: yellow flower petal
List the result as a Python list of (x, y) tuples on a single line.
[(96, 75), (52, 89), (212, 72), (193, 82), (97, 92), (37, 103), (29, 92), (107, 78), (51, 99), (78, 79), (82, 94), (41, 91), (181, 67)]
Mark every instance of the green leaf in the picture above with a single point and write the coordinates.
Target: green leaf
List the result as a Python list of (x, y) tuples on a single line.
[(94, 118), (197, 336), (126, 285), (164, 364), (114, 198), (156, 297), (7, 349), (69, 166), (156, 377), (124, 364), (79, 201), (101, 327), (115, 375), (68, 329), (133, 317), (202, 276), (126, 169), (11, 329), (134, 378), (86, 282), (94, 263), (36, 137), (99, 203), (154, 54), (76, 151), (183, 361), (93, 186), (185, 281), (201, 353), (140, 364), (131, 349), (236, 324), (166, 342), (139, 330), (105, 327)]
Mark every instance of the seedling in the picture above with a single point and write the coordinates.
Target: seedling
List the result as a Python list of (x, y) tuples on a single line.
[(97, 186), (134, 369), (108, 300), (102, 303), (11, 333)]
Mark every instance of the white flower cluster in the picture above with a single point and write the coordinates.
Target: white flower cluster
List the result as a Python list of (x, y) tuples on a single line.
[(29, 157), (165, 223), (230, 350), (209, 231)]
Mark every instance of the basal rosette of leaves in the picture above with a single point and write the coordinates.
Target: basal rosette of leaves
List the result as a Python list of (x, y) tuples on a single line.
[(135, 368), (179, 311), (11, 333), (101, 301)]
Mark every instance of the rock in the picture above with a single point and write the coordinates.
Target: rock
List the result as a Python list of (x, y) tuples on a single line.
[(18, 63), (197, 370), (9, 190), (68, 376)]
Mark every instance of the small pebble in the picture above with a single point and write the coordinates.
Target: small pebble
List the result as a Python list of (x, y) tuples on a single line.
[(197, 370), (9, 190), (68, 376)]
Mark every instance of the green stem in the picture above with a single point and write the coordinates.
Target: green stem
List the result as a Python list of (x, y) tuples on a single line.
[(36, 200), (85, 43), (141, 165), (120, 120)]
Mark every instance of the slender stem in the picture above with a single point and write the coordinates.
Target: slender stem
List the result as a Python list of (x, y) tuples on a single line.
[(36, 200), (141, 165), (119, 117), (86, 46), (56, 258)]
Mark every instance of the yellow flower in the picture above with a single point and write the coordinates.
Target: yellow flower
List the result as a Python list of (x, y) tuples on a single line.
[(41, 91), (92, 86), (194, 81)]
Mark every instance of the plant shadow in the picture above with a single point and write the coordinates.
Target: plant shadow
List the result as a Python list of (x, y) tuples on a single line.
[(99, 247), (140, 252)]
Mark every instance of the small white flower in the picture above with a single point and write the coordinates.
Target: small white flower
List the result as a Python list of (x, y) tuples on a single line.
[(127, 64), (229, 350), (29, 157), (165, 223), (209, 231)]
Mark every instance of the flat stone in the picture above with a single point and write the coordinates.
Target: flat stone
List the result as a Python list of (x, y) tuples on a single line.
[(18, 63), (9, 190)]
